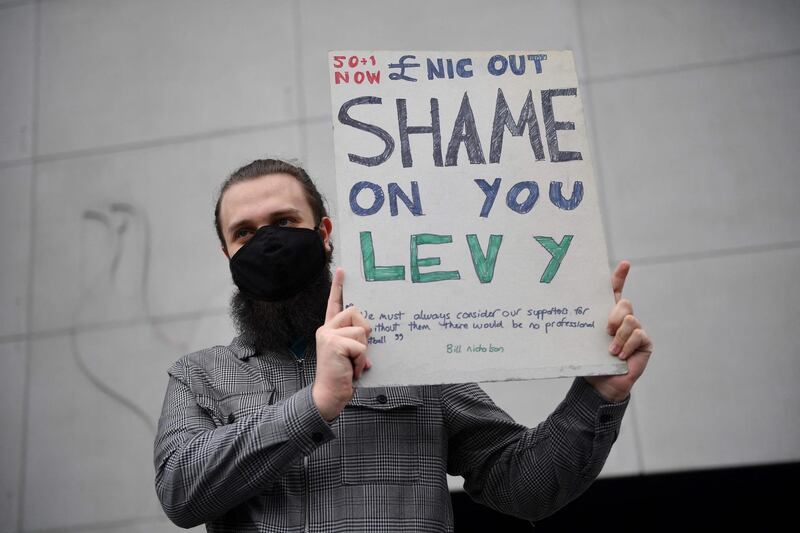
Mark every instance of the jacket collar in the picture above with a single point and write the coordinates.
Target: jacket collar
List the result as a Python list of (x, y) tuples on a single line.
[(243, 351), (240, 349)]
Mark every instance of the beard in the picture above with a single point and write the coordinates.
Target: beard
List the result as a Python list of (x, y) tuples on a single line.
[(274, 326)]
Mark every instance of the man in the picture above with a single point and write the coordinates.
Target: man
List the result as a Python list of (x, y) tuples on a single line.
[(268, 433)]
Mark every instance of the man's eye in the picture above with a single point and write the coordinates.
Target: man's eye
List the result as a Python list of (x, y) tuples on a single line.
[(284, 221), (241, 233)]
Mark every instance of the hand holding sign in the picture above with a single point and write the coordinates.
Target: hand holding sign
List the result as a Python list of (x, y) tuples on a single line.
[(630, 342), (341, 353)]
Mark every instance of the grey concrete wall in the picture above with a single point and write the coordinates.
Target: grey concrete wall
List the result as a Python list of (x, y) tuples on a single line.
[(119, 118)]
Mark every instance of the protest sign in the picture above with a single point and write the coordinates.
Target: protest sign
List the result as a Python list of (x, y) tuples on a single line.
[(469, 226)]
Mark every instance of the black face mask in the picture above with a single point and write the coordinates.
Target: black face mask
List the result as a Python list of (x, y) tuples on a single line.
[(277, 262)]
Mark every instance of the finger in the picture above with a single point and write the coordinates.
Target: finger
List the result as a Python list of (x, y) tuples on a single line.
[(350, 317), (629, 324), (356, 333), (335, 297), (350, 348), (360, 321), (618, 278), (359, 363), (618, 314), (638, 342)]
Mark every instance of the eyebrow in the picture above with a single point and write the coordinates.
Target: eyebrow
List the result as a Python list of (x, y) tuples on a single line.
[(277, 214)]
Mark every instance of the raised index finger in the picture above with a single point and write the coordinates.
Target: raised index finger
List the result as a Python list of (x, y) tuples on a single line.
[(618, 278), (335, 297)]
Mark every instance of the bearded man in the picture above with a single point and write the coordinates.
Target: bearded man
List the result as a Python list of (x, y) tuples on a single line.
[(269, 434)]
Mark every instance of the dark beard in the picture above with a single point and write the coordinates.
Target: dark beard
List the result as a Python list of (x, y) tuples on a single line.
[(274, 326)]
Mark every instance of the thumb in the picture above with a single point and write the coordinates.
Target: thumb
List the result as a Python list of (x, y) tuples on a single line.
[(618, 279)]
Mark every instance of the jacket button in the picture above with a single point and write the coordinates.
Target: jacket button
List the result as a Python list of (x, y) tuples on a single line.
[(316, 436), (231, 418), (382, 398), (604, 418)]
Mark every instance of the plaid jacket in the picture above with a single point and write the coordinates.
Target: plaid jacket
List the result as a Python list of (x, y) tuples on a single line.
[(241, 447)]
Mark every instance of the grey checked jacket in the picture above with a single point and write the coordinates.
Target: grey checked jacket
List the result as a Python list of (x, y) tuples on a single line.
[(241, 447)]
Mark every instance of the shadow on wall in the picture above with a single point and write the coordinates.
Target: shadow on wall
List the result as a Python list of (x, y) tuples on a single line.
[(98, 389), (119, 237)]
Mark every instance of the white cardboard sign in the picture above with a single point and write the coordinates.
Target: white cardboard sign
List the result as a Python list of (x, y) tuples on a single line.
[(469, 226)]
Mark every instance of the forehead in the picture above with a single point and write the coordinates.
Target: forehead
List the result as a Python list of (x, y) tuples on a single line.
[(258, 196)]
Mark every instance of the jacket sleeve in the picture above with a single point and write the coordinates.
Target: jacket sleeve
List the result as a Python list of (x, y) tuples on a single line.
[(202, 470), (529, 472)]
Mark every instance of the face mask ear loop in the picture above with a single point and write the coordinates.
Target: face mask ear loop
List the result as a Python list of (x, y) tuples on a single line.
[(321, 238)]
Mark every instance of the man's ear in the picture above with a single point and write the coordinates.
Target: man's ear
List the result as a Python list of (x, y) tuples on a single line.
[(326, 228)]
